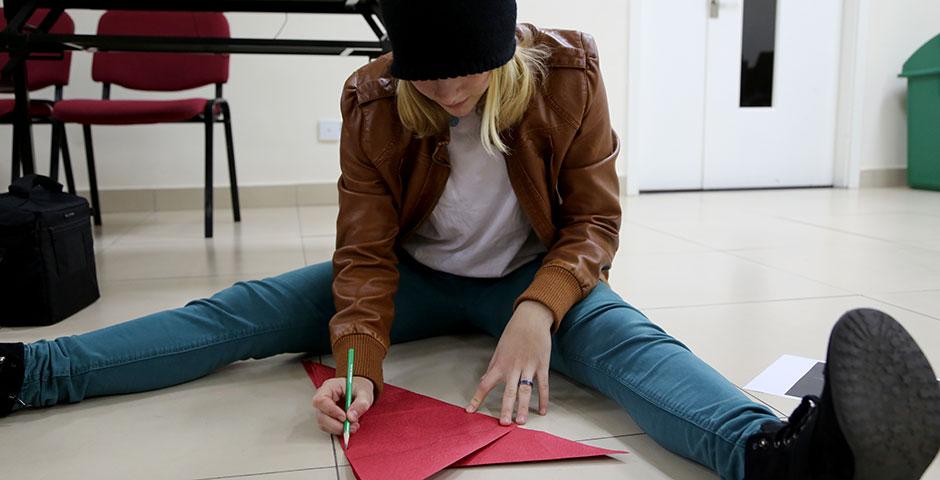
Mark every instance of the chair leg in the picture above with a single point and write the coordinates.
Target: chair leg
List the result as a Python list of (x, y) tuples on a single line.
[(92, 177), (66, 158), (16, 169), (15, 157), (54, 155), (209, 121), (230, 148)]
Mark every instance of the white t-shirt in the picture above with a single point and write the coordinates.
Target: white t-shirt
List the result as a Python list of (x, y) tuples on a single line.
[(477, 229)]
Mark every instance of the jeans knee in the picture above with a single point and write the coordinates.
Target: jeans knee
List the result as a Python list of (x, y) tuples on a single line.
[(610, 328), (604, 310)]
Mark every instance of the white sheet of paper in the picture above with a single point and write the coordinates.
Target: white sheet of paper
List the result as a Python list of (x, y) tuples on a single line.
[(781, 375)]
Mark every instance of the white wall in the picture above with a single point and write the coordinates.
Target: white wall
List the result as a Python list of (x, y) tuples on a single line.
[(893, 32), (606, 21), (276, 102)]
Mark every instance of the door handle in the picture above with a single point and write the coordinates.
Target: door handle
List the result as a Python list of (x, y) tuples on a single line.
[(714, 8)]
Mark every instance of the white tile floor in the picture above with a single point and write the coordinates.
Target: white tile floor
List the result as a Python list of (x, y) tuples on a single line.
[(740, 277)]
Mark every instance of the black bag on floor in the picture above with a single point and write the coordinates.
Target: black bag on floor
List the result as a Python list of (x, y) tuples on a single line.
[(47, 259)]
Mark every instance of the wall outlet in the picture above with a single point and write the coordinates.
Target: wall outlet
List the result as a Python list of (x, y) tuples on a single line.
[(329, 130)]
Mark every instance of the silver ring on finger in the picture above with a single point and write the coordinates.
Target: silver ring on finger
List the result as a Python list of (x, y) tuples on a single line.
[(526, 381)]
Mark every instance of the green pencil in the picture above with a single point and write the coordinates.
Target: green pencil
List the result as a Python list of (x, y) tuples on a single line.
[(349, 374)]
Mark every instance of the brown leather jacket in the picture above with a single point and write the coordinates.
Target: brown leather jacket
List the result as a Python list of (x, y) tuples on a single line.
[(561, 167)]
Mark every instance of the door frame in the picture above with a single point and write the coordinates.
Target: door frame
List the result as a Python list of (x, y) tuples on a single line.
[(851, 88)]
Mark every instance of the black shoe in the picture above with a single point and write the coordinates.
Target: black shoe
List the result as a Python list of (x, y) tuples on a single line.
[(878, 417), (11, 376)]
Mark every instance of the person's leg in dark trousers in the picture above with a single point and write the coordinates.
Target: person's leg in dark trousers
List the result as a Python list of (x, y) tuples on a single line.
[(288, 313), (605, 343)]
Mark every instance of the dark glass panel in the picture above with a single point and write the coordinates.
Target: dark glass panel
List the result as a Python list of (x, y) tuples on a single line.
[(757, 53)]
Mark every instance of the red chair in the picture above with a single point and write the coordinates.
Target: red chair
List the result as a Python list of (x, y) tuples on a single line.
[(42, 73), (162, 72)]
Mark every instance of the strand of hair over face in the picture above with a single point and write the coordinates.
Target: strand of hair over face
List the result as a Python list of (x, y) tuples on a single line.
[(507, 97)]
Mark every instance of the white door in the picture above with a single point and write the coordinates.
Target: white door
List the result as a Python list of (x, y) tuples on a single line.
[(772, 73), (664, 143), (691, 127)]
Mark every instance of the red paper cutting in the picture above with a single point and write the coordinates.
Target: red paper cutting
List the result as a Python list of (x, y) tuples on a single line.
[(407, 435), (523, 445)]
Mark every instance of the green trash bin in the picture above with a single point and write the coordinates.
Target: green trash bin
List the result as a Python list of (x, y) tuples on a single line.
[(922, 71)]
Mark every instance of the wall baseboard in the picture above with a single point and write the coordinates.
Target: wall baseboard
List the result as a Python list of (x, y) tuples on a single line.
[(883, 177), (310, 194), (250, 196)]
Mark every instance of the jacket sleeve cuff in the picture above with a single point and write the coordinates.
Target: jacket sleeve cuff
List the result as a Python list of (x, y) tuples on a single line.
[(369, 354), (554, 287)]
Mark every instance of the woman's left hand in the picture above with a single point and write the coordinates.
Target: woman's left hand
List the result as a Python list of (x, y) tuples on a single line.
[(523, 352)]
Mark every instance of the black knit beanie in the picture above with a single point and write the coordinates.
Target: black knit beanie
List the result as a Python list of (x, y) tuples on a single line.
[(434, 39)]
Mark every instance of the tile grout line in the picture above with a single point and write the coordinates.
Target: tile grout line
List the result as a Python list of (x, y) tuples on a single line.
[(243, 475), (332, 442), (748, 260), (335, 459), (300, 232), (845, 232), (795, 274), (751, 302), (612, 436), (849, 292), (906, 309), (732, 251), (887, 242), (124, 233), (759, 400), (920, 290), (184, 241), (235, 276), (241, 275), (677, 237)]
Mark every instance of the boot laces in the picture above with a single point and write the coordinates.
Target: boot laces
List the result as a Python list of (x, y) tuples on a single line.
[(785, 436)]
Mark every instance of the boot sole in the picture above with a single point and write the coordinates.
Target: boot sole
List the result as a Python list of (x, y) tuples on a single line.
[(886, 396)]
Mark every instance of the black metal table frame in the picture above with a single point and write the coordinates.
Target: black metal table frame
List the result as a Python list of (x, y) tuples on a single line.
[(35, 43)]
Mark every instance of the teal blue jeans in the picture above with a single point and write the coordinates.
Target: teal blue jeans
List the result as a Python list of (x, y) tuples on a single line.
[(603, 342)]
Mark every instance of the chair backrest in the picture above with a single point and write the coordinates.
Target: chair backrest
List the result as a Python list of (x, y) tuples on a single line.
[(161, 71), (44, 73)]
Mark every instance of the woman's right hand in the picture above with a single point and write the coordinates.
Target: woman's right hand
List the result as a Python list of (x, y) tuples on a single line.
[(331, 398)]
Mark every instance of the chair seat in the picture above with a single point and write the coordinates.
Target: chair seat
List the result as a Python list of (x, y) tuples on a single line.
[(37, 109), (129, 112)]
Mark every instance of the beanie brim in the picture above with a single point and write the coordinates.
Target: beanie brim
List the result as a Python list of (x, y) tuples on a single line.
[(416, 69), (438, 39)]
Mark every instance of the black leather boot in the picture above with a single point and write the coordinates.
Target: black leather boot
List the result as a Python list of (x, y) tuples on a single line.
[(11, 376), (878, 417)]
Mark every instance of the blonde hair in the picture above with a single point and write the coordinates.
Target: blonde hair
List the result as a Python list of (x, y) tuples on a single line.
[(507, 96)]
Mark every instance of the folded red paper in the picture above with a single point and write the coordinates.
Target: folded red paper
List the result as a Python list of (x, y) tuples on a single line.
[(406, 435)]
